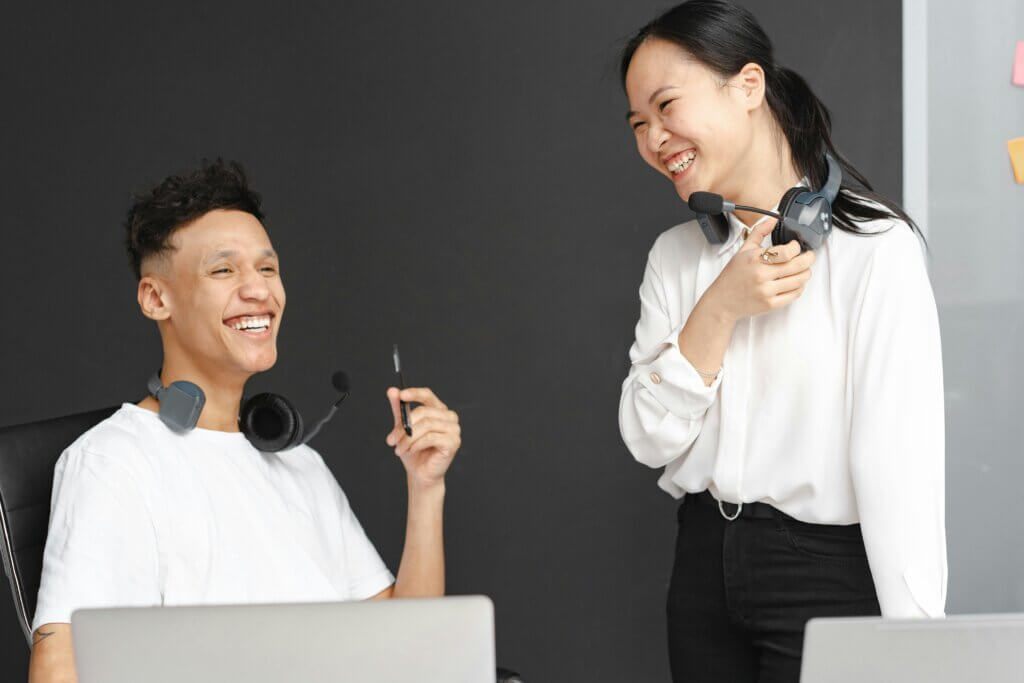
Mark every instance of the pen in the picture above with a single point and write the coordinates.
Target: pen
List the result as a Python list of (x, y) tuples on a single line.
[(401, 385)]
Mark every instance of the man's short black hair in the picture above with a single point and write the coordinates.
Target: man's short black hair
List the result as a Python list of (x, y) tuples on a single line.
[(181, 199)]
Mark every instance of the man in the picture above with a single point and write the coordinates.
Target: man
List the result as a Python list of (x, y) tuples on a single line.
[(145, 515)]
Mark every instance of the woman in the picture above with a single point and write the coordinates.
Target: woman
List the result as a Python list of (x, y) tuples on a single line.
[(795, 395)]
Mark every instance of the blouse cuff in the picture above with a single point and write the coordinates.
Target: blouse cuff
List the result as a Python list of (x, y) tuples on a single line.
[(674, 382)]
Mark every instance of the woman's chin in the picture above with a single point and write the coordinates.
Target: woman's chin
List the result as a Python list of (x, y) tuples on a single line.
[(684, 191), (685, 185)]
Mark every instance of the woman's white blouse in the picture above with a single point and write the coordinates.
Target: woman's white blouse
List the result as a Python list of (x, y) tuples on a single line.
[(829, 409)]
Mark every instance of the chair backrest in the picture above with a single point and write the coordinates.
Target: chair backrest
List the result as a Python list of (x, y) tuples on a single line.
[(28, 454)]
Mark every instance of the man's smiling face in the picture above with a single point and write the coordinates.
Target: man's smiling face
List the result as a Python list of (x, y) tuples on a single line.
[(223, 294)]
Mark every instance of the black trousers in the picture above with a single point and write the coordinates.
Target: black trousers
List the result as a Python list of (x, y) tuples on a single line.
[(742, 591)]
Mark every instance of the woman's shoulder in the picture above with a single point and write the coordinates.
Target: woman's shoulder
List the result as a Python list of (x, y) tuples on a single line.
[(679, 244), (878, 239), (886, 256)]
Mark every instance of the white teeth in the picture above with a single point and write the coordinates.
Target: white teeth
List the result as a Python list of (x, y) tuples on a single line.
[(253, 323), (682, 163)]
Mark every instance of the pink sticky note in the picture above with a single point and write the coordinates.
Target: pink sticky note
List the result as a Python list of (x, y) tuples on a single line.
[(1018, 64)]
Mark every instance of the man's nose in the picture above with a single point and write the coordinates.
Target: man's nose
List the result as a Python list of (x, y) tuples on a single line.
[(254, 286)]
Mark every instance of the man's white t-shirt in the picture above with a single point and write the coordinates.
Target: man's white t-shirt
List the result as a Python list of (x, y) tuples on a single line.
[(143, 516)]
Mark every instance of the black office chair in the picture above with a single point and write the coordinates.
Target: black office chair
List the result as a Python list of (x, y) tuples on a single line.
[(28, 454)]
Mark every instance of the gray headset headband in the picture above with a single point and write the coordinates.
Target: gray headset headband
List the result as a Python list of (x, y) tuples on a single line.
[(835, 177), (155, 386)]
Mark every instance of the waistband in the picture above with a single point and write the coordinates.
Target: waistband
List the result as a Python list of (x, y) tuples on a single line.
[(729, 510), (759, 511)]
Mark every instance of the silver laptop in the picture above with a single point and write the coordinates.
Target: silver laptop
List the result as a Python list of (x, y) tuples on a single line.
[(440, 639), (986, 648)]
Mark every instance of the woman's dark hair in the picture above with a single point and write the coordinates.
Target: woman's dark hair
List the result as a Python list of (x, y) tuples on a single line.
[(725, 37), (181, 199)]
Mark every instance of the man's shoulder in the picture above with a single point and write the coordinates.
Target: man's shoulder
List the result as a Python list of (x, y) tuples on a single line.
[(306, 464), (305, 461), (117, 442)]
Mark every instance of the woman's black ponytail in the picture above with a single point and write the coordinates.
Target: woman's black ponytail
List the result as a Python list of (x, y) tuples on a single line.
[(725, 38)]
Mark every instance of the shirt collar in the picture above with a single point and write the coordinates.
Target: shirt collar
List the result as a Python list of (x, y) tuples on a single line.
[(738, 230)]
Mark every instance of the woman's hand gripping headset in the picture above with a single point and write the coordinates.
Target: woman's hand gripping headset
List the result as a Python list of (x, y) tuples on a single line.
[(758, 280)]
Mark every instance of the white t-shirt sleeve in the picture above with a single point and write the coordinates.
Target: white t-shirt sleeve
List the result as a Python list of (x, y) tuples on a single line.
[(101, 548), (366, 572)]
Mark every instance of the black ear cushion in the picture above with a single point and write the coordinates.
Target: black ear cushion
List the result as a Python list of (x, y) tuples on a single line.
[(781, 234), (271, 423), (714, 226)]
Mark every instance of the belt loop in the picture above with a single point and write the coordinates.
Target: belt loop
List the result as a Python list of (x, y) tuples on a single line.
[(739, 509)]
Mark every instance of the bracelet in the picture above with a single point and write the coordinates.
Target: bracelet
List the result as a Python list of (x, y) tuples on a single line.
[(709, 375)]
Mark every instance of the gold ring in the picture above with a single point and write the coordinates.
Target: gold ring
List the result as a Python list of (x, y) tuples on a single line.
[(768, 254)]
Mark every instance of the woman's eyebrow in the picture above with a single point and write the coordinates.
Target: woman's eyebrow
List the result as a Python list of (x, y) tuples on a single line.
[(630, 114), (659, 91)]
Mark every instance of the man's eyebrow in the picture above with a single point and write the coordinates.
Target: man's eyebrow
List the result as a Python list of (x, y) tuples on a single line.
[(630, 114), (231, 253), (218, 255)]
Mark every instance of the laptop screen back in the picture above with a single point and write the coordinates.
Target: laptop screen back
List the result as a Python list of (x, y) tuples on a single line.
[(952, 650), (441, 639)]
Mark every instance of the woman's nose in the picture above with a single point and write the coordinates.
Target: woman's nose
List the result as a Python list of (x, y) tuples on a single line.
[(656, 137)]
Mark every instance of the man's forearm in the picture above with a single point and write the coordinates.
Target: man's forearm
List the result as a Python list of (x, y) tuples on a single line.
[(421, 572)]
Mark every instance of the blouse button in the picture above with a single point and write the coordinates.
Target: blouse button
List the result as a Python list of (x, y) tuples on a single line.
[(656, 378)]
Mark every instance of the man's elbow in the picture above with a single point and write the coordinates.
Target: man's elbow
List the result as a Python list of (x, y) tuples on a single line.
[(53, 658), (388, 592)]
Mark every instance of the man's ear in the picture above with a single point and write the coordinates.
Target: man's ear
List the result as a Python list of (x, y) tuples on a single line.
[(750, 80), (152, 296)]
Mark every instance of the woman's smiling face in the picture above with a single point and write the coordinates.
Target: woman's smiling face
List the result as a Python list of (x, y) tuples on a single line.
[(689, 125)]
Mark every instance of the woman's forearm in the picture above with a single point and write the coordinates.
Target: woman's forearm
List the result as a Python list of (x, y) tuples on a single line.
[(705, 336)]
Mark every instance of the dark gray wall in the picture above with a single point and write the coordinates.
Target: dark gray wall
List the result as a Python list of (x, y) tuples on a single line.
[(453, 176)]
